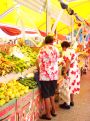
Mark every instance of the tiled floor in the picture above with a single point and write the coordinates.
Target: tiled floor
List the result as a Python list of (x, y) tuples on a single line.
[(81, 110)]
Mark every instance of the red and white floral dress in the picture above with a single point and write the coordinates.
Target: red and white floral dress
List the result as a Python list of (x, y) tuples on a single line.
[(73, 72), (48, 63)]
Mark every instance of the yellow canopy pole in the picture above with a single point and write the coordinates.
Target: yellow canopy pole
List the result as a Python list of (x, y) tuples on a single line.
[(9, 11), (72, 29), (57, 20), (48, 17)]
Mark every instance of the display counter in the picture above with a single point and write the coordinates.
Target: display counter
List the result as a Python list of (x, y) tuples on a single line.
[(27, 107)]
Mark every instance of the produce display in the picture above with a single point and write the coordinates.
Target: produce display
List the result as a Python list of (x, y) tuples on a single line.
[(29, 82), (30, 54), (12, 89), (82, 58), (13, 63), (19, 64), (6, 66), (18, 60)]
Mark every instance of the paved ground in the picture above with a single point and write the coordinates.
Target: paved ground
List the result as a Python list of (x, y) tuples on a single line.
[(81, 110)]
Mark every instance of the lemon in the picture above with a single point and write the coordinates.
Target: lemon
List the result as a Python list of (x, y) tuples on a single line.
[(3, 85), (9, 92), (2, 89), (17, 95), (2, 96), (2, 102), (7, 99), (12, 96), (21, 92), (9, 84)]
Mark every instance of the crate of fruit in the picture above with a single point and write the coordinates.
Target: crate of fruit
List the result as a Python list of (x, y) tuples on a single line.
[(7, 109)]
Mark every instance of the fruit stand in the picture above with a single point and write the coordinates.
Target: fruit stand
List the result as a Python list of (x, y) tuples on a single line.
[(20, 97)]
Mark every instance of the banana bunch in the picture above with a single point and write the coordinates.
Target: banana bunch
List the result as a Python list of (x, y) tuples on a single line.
[(20, 64), (30, 53)]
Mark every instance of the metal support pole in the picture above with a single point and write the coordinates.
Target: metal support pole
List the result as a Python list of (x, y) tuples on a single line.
[(48, 17), (72, 29), (9, 11), (57, 20)]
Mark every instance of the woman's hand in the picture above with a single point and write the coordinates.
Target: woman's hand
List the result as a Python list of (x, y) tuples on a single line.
[(65, 75)]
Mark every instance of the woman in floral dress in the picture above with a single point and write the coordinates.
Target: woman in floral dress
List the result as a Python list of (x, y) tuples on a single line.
[(48, 70), (71, 73)]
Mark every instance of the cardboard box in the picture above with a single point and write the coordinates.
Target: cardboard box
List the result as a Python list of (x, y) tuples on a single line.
[(7, 109)]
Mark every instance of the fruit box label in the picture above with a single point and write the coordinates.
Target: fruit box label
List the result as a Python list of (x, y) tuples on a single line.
[(22, 113), (10, 118), (7, 109), (24, 100)]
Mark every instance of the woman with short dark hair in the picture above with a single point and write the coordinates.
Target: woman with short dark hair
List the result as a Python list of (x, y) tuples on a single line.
[(71, 74), (48, 70), (65, 44), (49, 39)]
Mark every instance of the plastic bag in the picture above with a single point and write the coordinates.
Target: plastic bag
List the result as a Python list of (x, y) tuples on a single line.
[(64, 92)]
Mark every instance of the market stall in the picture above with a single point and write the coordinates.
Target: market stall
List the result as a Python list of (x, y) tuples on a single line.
[(19, 93), (24, 24)]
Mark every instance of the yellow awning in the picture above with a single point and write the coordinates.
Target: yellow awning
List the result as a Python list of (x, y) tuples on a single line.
[(26, 17)]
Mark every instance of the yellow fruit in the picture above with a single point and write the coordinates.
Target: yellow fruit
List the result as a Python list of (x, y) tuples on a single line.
[(9, 92), (19, 85), (7, 99), (23, 87), (26, 87), (26, 90), (21, 92), (17, 95), (2, 96), (12, 96), (2, 89), (3, 85), (19, 88), (14, 82), (9, 84), (2, 102)]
